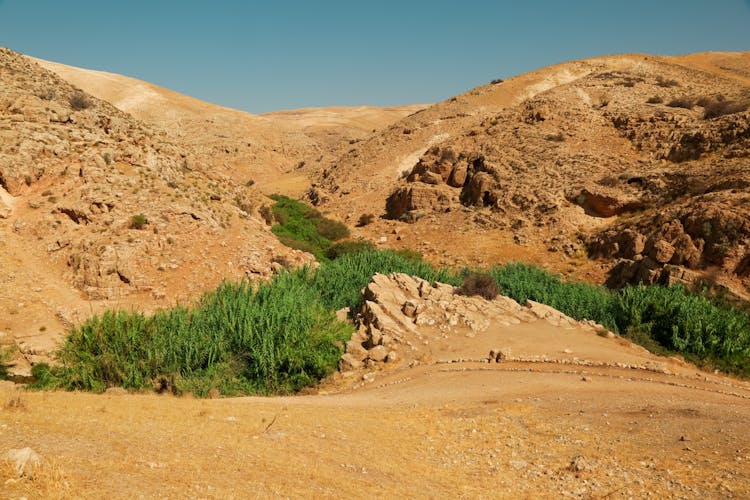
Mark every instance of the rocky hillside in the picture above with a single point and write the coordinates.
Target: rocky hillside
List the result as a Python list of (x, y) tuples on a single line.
[(268, 149), (98, 208), (639, 162)]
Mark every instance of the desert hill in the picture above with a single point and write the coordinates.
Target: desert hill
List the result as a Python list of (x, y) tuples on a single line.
[(638, 161), (264, 148), (100, 209), (117, 193)]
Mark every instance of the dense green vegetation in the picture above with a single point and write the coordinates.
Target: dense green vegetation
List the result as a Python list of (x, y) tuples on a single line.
[(271, 339), (304, 228), (278, 337), (667, 319)]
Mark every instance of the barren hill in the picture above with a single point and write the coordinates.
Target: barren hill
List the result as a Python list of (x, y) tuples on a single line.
[(123, 194), (264, 148), (632, 157)]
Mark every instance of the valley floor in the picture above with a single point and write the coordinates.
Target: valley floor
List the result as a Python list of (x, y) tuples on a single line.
[(469, 429)]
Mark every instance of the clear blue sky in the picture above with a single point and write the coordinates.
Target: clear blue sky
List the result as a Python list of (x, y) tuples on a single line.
[(263, 56)]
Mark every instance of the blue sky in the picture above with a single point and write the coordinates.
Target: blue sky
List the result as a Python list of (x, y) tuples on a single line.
[(283, 54)]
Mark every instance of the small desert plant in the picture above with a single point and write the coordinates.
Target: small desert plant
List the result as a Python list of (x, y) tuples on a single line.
[(655, 100), (79, 101), (664, 82), (267, 214), (558, 137), (138, 221), (107, 158), (479, 284), (47, 94), (496, 81), (6, 356), (713, 108), (681, 102), (365, 219)]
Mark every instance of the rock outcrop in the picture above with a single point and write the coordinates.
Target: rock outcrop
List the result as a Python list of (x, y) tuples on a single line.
[(404, 317)]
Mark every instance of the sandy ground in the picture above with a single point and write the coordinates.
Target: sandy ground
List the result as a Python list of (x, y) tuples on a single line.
[(476, 430)]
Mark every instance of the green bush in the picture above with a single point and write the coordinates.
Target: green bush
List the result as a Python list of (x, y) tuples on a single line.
[(274, 339), (6, 355), (304, 228), (331, 229), (138, 221), (687, 323)]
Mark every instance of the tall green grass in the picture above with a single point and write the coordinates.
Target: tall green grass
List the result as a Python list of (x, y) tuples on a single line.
[(576, 299), (281, 336), (340, 282), (678, 321), (273, 339)]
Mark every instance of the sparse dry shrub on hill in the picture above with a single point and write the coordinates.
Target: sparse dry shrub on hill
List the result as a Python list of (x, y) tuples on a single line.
[(365, 219), (479, 284), (267, 214), (713, 108), (666, 82), (80, 101), (681, 102), (655, 100)]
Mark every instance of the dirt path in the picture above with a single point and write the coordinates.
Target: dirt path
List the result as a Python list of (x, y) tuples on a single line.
[(586, 423), (470, 433)]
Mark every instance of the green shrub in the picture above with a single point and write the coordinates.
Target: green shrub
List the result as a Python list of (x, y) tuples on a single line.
[(6, 355), (138, 221), (331, 229), (304, 228)]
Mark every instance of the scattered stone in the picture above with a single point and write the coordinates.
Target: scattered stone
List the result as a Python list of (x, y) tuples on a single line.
[(409, 309), (25, 460), (578, 464), (378, 353), (349, 362)]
